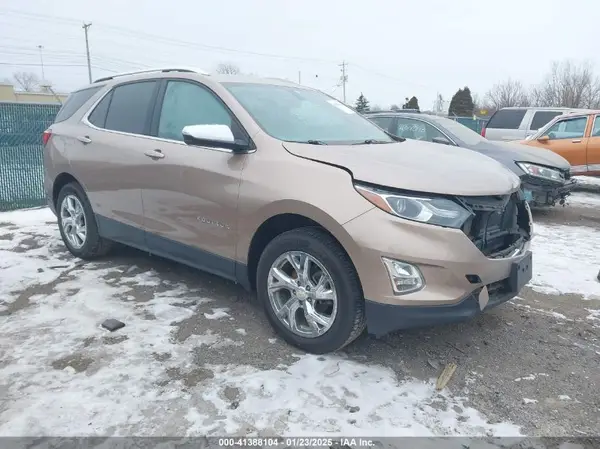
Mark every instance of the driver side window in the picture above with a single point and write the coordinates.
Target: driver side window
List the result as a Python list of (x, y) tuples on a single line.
[(186, 104), (568, 129)]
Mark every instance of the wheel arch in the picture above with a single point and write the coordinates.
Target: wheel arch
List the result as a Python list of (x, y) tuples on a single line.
[(276, 223)]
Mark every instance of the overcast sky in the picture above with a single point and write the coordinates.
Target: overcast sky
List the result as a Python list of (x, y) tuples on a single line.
[(394, 48)]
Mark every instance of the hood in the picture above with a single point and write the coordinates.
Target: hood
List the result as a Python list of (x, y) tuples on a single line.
[(416, 166), (535, 155)]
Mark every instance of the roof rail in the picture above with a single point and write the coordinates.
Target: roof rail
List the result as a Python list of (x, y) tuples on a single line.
[(164, 69)]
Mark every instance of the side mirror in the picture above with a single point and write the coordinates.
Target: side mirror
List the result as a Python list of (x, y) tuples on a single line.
[(219, 136), (543, 139), (441, 140)]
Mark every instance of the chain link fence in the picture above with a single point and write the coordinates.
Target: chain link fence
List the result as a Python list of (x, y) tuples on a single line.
[(21, 153), (476, 124)]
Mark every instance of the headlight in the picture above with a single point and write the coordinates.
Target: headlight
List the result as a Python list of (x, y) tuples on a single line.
[(540, 171), (435, 211)]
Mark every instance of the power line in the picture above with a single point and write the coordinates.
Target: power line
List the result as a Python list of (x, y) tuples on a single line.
[(148, 36), (31, 64)]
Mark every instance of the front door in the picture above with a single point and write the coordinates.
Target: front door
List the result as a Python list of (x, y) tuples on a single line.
[(191, 195), (567, 137)]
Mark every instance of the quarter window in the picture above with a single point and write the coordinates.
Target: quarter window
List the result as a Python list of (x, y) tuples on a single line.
[(129, 109), (98, 115), (190, 104)]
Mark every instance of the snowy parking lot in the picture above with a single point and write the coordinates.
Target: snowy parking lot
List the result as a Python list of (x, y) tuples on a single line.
[(197, 357)]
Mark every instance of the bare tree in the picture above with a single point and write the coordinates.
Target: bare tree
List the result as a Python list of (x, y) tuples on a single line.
[(569, 85), (506, 94), (26, 81), (227, 68)]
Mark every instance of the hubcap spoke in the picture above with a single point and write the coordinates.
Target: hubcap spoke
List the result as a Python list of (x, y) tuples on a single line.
[(312, 316), (283, 281)]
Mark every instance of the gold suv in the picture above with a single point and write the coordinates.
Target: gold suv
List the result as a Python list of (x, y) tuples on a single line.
[(336, 224)]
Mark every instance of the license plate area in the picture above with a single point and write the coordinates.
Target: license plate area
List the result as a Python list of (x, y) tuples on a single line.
[(521, 272)]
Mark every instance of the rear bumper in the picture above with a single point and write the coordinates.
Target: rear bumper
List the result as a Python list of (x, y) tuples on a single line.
[(547, 194), (385, 318)]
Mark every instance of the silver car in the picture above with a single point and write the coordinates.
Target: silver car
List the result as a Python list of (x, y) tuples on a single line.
[(517, 123)]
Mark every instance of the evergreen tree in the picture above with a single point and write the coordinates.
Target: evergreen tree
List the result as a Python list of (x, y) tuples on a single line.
[(461, 104), (413, 103), (362, 104)]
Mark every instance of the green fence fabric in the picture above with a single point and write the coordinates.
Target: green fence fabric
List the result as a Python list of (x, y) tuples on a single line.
[(476, 124), (21, 153)]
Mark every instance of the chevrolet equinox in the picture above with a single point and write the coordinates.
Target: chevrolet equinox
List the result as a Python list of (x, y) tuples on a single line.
[(336, 224)]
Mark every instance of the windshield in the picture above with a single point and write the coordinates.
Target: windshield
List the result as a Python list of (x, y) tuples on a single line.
[(294, 114), (459, 131)]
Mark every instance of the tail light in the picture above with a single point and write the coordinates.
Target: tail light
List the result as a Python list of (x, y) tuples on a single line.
[(46, 136), (483, 132)]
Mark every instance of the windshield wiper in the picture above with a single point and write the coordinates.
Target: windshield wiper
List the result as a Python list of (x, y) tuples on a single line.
[(310, 141), (370, 141)]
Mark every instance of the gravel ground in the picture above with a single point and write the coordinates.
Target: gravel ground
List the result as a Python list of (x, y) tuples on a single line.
[(532, 363)]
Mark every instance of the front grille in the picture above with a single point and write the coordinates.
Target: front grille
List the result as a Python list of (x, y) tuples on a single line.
[(499, 225)]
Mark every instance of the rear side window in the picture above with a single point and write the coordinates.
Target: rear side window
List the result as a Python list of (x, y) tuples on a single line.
[(129, 108), (382, 122), (74, 102), (541, 118), (507, 119), (98, 115)]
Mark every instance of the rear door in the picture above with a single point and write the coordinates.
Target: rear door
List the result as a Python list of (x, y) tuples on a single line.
[(506, 124), (593, 147), (567, 137), (112, 165)]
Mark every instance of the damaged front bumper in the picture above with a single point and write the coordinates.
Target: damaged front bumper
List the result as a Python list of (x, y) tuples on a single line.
[(539, 193), (385, 318)]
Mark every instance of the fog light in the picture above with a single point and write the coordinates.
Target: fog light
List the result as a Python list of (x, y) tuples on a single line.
[(406, 278)]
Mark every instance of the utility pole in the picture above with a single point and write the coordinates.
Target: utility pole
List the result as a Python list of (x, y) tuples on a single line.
[(344, 78), (299, 77), (42, 61), (87, 49)]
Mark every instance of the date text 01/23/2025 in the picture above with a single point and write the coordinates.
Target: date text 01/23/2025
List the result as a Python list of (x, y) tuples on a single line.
[(295, 442)]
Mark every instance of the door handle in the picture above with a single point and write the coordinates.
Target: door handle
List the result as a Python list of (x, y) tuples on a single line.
[(576, 140), (154, 154), (84, 139)]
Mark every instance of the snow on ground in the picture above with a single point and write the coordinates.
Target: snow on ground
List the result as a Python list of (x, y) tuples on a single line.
[(62, 374), (590, 180), (566, 259), (584, 199)]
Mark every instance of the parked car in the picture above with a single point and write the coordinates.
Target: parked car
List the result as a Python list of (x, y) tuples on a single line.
[(517, 123), (283, 189), (576, 137), (545, 176)]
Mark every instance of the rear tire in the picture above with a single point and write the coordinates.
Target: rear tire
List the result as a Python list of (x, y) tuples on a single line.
[(326, 256), (77, 224)]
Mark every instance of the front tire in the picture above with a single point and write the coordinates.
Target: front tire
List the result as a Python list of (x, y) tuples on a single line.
[(77, 224), (310, 291)]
